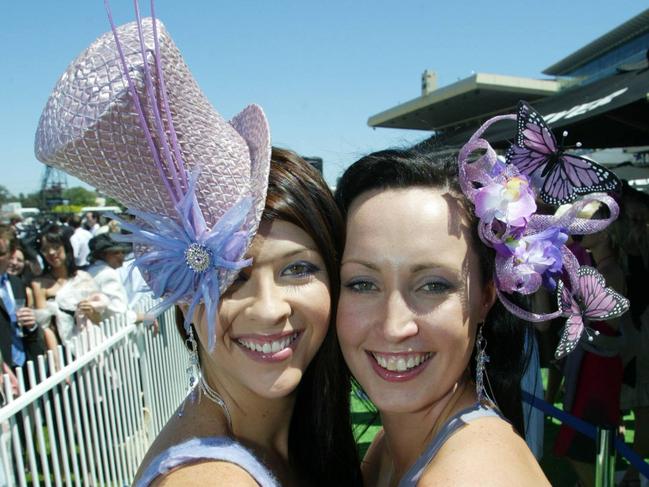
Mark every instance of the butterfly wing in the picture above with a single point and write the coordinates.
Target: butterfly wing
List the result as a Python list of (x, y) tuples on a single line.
[(535, 143), (574, 326), (564, 176), (572, 332), (574, 175), (598, 301)]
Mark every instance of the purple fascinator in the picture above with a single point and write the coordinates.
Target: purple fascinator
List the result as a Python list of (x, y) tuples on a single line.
[(128, 118), (531, 249)]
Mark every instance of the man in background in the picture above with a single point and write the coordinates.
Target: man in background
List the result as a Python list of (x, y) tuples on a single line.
[(21, 339), (79, 241)]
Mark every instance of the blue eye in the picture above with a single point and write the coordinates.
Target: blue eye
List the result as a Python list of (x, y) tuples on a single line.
[(361, 286), (435, 287), (300, 269)]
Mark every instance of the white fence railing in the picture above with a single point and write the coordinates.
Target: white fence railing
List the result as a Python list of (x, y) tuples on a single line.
[(87, 420)]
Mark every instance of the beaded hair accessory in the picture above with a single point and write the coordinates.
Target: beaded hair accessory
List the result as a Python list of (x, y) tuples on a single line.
[(531, 249)]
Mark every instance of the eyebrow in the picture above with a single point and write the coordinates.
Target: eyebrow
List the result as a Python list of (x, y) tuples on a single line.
[(415, 268), (288, 254), (364, 263)]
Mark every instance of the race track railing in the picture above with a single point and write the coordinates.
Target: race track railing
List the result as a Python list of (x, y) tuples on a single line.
[(88, 419)]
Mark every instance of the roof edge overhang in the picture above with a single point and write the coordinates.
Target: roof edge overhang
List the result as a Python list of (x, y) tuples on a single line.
[(629, 29), (477, 81)]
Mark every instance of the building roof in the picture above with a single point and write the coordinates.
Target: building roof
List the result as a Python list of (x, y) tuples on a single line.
[(610, 112), (622, 33), (463, 101)]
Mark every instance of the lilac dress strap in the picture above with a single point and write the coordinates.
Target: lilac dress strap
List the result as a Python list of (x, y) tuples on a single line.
[(219, 448), (456, 422)]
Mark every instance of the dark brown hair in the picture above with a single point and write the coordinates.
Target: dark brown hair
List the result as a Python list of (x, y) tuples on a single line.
[(321, 445)]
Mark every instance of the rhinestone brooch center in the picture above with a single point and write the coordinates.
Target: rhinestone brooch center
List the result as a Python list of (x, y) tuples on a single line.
[(198, 257)]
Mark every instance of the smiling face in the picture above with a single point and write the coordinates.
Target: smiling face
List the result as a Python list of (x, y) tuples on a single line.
[(274, 318), (54, 253), (411, 296), (16, 262)]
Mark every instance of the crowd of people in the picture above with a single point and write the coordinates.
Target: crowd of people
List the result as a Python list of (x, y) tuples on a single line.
[(60, 279), (607, 377)]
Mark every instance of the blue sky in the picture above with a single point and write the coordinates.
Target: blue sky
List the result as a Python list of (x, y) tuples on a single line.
[(319, 69)]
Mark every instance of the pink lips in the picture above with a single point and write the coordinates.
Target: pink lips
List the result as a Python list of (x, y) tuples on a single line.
[(395, 375), (285, 344)]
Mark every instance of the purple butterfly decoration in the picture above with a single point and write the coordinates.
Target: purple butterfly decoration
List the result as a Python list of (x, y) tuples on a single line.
[(561, 177), (591, 300)]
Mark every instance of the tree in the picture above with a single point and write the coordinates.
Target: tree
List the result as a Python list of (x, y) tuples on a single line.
[(5, 195), (79, 196), (113, 202), (31, 200)]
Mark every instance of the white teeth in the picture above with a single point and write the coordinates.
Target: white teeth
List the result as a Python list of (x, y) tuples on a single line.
[(268, 347), (401, 363)]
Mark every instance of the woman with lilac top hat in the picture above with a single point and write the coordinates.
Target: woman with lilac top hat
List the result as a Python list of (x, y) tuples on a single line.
[(245, 238), (439, 254)]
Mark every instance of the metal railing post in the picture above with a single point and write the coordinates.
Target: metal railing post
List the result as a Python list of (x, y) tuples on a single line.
[(605, 459)]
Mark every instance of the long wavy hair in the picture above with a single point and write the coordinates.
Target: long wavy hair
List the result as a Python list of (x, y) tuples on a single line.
[(321, 445)]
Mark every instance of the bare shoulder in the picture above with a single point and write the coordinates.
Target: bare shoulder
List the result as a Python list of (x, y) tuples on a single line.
[(205, 473), (487, 450), (179, 429), (42, 282)]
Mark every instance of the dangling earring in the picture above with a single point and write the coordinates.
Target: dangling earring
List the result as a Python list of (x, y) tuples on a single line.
[(193, 368), (481, 359)]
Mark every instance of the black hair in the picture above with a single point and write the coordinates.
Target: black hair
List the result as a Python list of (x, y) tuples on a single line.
[(504, 333), (55, 235)]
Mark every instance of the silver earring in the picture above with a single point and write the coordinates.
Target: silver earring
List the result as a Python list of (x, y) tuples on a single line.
[(193, 368), (481, 359)]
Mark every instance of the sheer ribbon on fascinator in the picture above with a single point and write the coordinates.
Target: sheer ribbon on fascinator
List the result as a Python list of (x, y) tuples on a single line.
[(531, 249)]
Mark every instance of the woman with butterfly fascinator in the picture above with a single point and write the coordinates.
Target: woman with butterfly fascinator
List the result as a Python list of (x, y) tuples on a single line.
[(439, 255), (243, 237)]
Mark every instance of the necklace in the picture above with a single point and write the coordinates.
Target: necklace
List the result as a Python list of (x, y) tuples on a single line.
[(213, 396)]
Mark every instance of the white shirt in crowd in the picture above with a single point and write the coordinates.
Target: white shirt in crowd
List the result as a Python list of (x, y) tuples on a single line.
[(79, 241), (94, 229), (110, 283)]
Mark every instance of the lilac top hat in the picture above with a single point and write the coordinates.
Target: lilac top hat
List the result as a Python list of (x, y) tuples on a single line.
[(128, 118)]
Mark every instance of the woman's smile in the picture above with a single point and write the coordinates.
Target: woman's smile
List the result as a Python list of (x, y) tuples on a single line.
[(269, 348), (399, 367)]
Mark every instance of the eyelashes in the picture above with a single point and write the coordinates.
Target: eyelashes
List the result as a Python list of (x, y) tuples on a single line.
[(432, 287), (435, 287), (295, 270), (361, 286), (300, 269)]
